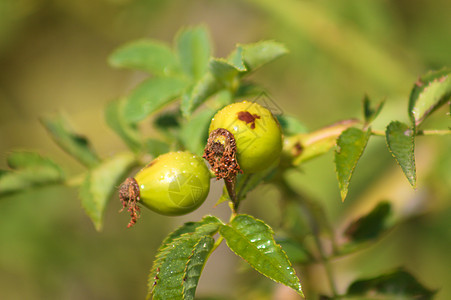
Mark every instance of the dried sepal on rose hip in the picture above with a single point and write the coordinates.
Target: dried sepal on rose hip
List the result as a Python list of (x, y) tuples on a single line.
[(256, 132), (173, 184), (220, 153)]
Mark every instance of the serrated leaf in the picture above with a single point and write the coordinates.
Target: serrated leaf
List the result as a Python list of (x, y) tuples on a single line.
[(168, 273), (100, 183), (236, 59), (199, 93), (306, 146), (73, 143), (291, 125), (147, 55), (204, 227), (369, 226), (29, 169), (252, 240), (350, 146), (195, 266), (224, 72), (194, 133), (150, 96), (398, 283), (193, 48), (260, 53), (370, 113), (429, 93), (127, 132), (401, 143), (169, 280)]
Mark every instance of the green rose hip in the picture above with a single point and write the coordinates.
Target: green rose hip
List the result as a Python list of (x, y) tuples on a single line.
[(173, 184)]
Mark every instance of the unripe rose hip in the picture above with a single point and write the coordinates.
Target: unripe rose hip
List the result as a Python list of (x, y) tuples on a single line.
[(257, 134), (174, 183)]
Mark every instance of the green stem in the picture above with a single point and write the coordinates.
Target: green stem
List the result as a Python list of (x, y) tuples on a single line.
[(217, 243), (243, 184), (419, 132)]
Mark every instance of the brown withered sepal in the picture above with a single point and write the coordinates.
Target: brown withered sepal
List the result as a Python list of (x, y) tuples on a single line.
[(129, 196), (222, 155)]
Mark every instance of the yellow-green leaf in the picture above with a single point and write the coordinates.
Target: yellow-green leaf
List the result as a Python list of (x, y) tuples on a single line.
[(73, 143), (147, 55), (100, 183), (429, 93)]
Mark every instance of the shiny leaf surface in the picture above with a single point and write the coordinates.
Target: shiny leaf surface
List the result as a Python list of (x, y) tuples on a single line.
[(253, 241)]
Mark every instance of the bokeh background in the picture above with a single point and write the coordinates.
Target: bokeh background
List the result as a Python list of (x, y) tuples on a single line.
[(53, 59)]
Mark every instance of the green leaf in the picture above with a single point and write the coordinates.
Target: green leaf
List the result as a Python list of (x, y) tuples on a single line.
[(169, 269), (291, 125), (223, 98), (371, 225), (366, 230), (156, 147), (30, 160), (260, 53), (100, 183), (398, 284), (429, 93), (150, 96), (74, 144), (236, 59), (128, 132), (371, 113), (253, 241), (350, 146), (147, 55), (247, 182), (401, 143), (306, 146), (167, 120), (29, 170), (248, 90), (194, 133), (193, 48), (195, 266), (224, 72), (187, 228), (199, 93)]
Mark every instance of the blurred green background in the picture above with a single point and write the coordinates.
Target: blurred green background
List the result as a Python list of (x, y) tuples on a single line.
[(53, 59)]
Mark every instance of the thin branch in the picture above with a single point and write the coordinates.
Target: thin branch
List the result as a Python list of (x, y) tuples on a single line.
[(419, 132)]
